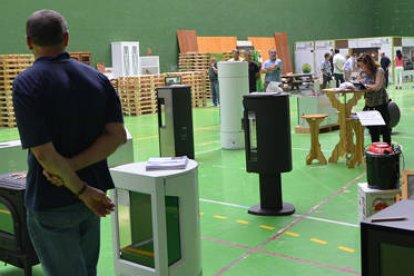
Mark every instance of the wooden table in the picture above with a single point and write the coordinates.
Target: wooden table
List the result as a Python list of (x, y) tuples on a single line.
[(345, 146)]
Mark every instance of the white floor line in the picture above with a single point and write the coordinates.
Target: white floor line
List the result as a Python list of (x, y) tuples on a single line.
[(206, 151), (224, 203), (329, 221), (295, 215)]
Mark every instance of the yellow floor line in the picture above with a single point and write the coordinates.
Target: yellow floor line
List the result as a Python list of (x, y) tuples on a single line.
[(138, 251), (292, 234), (267, 227), (318, 241), (242, 221), (346, 249), (219, 217)]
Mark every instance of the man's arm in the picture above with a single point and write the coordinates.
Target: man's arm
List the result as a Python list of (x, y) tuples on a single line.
[(113, 136), (56, 164), (267, 68)]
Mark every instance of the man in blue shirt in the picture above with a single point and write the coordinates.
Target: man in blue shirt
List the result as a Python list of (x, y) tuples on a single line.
[(385, 64), (272, 68), (70, 119)]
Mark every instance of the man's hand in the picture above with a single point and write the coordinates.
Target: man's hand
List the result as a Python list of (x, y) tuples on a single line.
[(97, 201), (54, 179)]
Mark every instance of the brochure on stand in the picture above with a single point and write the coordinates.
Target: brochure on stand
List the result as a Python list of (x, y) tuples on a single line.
[(166, 163), (370, 118)]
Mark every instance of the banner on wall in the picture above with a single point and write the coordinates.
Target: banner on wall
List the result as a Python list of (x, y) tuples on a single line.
[(321, 47), (304, 57)]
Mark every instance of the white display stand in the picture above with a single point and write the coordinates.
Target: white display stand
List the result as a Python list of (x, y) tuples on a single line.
[(14, 158), (233, 84), (316, 105), (125, 58), (149, 65), (371, 201), (157, 185), (124, 154)]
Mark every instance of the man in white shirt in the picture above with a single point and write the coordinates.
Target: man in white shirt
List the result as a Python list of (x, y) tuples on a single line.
[(338, 64), (236, 56)]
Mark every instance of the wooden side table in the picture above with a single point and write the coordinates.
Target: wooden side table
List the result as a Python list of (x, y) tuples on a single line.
[(345, 145), (314, 120), (358, 152)]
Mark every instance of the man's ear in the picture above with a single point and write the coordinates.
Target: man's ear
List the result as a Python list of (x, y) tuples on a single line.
[(29, 43), (66, 39)]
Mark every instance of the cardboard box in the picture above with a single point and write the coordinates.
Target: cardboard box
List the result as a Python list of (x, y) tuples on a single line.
[(371, 201)]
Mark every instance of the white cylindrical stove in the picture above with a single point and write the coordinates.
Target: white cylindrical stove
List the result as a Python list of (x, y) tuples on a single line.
[(233, 85)]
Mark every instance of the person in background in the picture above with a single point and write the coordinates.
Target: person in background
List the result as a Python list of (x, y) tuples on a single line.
[(326, 70), (272, 68), (332, 53), (70, 118), (253, 69), (385, 65), (376, 97), (338, 67), (213, 76), (236, 56), (348, 66), (399, 69)]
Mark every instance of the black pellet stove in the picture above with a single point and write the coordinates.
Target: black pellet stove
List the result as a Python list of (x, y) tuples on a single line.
[(268, 148), (15, 245)]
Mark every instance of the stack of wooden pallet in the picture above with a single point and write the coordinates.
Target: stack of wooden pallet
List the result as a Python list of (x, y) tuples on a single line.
[(84, 57), (199, 62), (138, 94), (10, 67)]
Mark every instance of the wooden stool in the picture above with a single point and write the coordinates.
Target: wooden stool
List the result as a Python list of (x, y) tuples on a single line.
[(314, 120), (358, 151)]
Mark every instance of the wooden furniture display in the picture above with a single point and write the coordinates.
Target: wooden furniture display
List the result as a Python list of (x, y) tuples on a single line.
[(314, 120), (292, 81), (345, 146)]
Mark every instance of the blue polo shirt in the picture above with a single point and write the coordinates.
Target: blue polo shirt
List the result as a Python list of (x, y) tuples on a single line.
[(68, 103), (273, 75)]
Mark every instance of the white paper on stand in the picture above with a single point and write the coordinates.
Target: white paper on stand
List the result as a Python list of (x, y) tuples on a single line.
[(166, 163), (370, 118)]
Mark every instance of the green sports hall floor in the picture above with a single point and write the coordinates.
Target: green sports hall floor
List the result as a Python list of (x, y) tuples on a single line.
[(321, 238)]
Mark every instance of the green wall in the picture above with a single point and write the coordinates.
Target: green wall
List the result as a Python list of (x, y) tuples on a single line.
[(94, 24), (393, 18)]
